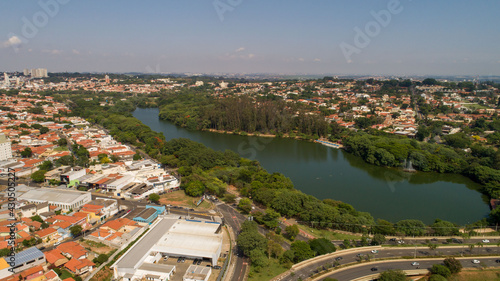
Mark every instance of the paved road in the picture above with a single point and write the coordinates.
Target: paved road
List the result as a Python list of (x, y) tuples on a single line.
[(234, 220), (364, 270), (439, 241), (393, 252)]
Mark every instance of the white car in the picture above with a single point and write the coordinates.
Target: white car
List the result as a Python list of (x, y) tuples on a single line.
[(486, 241), (415, 263), (476, 261), (374, 251), (401, 242)]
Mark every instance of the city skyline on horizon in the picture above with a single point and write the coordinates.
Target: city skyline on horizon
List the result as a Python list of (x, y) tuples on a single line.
[(386, 38)]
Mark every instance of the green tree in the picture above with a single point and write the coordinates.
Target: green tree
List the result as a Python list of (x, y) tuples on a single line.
[(229, 198), (441, 270), (155, 198), (411, 227), (137, 156), (102, 258), (274, 249), (250, 238), (44, 130), (38, 176), (76, 230), (46, 165), (444, 228), (392, 275), (453, 265), (384, 227), (302, 251), (194, 188), (26, 153), (62, 142), (258, 258), (37, 218), (245, 205), (4, 252), (378, 239), (114, 158), (292, 231), (321, 246)]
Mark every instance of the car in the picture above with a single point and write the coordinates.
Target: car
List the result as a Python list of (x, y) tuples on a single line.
[(217, 267), (373, 269), (476, 261), (454, 240), (183, 260), (179, 260), (497, 261), (208, 265), (338, 258), (359, 255), (374, 251), (192, 210), (401, 242), (434, 240), (199, 262), (41, 248), (415, 263), (122, 198), (392, 239), (195, 261), (486, 241)]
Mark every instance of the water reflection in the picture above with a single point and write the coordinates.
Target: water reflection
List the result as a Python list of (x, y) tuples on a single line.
[(330, 173)]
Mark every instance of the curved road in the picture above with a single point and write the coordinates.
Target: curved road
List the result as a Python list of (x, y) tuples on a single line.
[(365, 270), (385, 253)]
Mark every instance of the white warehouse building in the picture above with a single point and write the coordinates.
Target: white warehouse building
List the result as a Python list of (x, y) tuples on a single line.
[(66, 199), (169, 238)]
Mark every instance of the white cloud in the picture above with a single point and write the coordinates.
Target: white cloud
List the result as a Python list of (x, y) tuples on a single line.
[(240, 49), (301, 59), (317, 60), (12, 41), (53, 52), (251, 56), (76, 52)]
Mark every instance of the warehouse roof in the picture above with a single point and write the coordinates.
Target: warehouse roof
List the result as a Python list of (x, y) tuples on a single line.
[(143, 246), (52, 195)]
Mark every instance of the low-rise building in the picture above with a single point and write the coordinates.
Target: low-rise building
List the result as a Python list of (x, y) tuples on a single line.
[(65, 199)]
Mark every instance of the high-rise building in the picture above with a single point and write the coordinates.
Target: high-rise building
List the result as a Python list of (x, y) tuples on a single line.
[(6, 80), (26, 72), (107, 79), (39, 72), (5, 148)]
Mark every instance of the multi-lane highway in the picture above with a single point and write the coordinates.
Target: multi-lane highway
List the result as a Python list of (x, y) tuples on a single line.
[(381, 266), (341, 258)]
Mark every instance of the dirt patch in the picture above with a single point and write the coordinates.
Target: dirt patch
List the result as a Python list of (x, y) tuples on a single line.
[(179, 198), (477, 275), (95, 247), (104, 274)]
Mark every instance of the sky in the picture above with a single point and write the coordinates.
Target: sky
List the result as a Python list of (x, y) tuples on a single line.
[(362, 37)]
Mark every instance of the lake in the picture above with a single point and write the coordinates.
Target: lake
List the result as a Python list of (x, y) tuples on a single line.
[(325, 172)]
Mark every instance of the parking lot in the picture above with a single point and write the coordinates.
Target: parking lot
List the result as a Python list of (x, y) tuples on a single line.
[(181, 267)]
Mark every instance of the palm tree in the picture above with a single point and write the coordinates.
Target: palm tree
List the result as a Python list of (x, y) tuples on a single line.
[(471, 247), (480, 244)]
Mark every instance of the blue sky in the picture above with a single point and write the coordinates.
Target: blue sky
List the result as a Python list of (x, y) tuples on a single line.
[(282, 36)]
